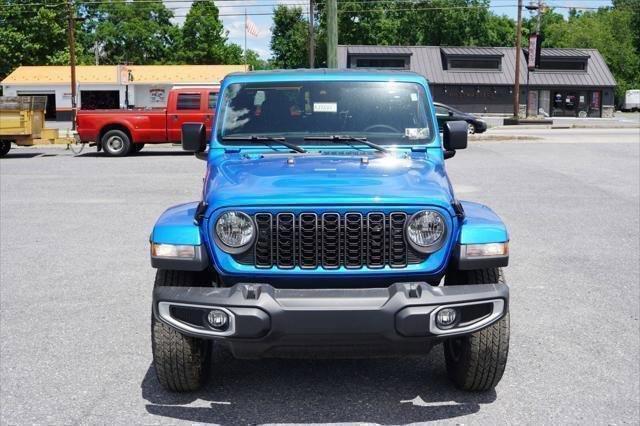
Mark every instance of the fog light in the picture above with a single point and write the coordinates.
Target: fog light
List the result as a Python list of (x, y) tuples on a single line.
[(218, 319), (446, 317)]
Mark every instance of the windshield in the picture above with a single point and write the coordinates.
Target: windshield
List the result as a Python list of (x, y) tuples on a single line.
[(387, 113)]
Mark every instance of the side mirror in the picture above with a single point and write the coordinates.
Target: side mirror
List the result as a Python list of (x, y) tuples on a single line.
[(194, 137), (455, 135)]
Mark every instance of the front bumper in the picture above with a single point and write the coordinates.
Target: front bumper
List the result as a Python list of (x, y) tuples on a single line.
[(265, 321)]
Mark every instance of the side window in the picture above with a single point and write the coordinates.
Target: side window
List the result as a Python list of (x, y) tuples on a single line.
[(188, 101), (441, 111), (213, 100)]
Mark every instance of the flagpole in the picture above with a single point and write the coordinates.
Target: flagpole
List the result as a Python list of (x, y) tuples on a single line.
[(245, 36)]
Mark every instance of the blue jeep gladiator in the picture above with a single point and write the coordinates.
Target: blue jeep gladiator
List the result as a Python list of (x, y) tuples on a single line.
[(328, 227)]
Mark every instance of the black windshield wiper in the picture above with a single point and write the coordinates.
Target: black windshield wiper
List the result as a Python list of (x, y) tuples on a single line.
[(347, 138), (266, 140)]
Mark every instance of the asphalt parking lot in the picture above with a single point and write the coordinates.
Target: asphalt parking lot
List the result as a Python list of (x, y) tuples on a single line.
[(75, 295)]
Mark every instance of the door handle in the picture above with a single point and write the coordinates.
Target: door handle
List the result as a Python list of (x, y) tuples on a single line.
[(175, 117)]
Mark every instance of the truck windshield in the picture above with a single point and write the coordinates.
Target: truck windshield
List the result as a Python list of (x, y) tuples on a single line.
[(385, 113)]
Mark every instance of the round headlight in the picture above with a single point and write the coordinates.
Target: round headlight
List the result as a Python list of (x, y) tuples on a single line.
[(235, 230), (426, 231)]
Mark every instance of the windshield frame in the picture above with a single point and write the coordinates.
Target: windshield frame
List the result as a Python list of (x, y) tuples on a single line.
[(297, 137)]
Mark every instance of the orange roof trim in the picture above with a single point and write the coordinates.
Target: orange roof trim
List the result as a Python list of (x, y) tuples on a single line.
[(111, 74)]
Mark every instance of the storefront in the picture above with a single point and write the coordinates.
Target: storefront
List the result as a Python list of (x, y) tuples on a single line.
[(109, 86), (564, 102), (567, 82)]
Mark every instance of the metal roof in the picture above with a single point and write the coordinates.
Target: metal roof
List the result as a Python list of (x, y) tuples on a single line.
[(427, 60), (563, 53), (470, 51), (395, 50)]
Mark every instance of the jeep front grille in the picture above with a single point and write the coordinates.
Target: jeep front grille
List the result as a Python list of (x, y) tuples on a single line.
[(330, 240)]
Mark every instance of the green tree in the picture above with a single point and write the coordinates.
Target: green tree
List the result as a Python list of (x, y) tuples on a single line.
[(31, 32), (289, 39), (136, 31), (255, 62), (204, 39), (611, 31)]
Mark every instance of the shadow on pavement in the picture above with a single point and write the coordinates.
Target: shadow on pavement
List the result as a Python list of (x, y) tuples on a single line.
[(137, 154), (16, 155), (384, 391)]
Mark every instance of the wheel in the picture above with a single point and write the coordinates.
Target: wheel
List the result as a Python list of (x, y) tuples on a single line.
[(471, 128), (181, 362), (136, 147), (477, 362), (5, 146), (116, 143)]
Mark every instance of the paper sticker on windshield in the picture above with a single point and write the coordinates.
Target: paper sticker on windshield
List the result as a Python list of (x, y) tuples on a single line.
[(414, 97), (325, 107), (416, 133)]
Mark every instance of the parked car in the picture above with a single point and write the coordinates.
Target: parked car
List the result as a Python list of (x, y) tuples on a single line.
[(328, 227), (446, 113), (123, 131)]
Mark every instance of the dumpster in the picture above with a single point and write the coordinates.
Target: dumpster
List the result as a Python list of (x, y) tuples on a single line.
[(22, 122)]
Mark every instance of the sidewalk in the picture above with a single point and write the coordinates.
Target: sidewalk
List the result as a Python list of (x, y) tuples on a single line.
[(621, 120)]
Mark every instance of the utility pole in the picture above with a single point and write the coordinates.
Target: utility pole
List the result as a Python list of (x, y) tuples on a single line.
[(72, 59), (332, 34), (516, 89), (312, 38)]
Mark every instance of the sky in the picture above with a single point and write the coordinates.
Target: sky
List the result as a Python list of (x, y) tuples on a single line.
[(235, 24)]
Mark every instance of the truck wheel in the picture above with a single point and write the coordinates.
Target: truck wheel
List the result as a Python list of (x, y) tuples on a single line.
[(136, 147), (5, 146), (181, 362), (476, 362), (116, 143)]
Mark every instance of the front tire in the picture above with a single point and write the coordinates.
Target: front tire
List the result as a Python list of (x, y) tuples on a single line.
[(477, 362), (116, 143), (181, 362), (5, 147), (471, 129)]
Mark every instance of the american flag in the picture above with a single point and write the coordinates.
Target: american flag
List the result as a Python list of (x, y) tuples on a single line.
[(251, 28)]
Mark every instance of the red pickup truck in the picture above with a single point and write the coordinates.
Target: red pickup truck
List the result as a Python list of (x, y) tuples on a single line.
[(121, 132)]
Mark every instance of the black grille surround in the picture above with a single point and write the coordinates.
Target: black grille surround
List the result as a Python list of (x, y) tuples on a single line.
[(330, 240)]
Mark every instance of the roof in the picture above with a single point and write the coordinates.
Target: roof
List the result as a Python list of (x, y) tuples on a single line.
[(99, 74), (471, 51), (324, 74), (427, 61), (110, 74), (396, 50), (563, 53)]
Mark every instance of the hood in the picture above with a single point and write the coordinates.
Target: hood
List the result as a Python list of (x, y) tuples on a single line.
[(320, 179)]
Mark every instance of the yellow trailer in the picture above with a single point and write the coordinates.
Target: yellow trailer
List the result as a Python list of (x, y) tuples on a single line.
[(22, 123)]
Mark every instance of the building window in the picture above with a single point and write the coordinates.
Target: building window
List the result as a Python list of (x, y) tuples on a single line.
[(381, 63), (563, 65), (188, 101), (474, 63)]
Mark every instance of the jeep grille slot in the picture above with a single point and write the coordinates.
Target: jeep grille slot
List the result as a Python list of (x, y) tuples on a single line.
[(286, 240), (353, 239), (330, 241), (308, 240), (397, 245), (376, 227), (263, 248)]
